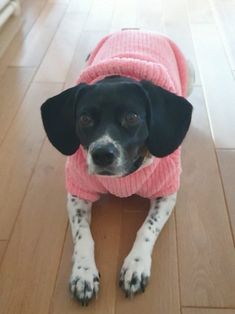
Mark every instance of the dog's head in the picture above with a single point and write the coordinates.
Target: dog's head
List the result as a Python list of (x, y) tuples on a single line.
[(119, 121)]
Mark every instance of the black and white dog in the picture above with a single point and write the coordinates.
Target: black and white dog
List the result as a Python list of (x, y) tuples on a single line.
[(117, 141)]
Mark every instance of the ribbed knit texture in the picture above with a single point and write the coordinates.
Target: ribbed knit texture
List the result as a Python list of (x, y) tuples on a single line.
[(138, 55)]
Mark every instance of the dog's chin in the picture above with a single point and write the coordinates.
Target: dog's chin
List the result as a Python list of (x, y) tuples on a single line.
[(106, 173)]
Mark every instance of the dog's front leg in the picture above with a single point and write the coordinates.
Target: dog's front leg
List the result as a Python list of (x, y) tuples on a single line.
[(136, 269), (84, 280)]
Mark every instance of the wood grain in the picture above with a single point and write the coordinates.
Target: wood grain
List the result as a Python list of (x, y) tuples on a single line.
[(19, 152), (13, 88), (86, 44), (120, 19), (200, 11), (150, 19), (176, 26), (56, 63), (205, 246), (224, 12), (207, 311), (30, 10), (8, 31), (3, 245), (29, 267), (40, 37), (100, 15), (219, 93), (226, 160)]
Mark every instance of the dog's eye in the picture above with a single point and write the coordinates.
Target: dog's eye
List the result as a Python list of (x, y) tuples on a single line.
[(85, 120), (131, 118)]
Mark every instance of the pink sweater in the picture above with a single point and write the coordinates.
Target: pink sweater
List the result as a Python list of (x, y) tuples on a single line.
[(138, 55)]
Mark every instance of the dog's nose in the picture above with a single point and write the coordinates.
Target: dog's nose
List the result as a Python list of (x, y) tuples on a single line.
[(104, 155)]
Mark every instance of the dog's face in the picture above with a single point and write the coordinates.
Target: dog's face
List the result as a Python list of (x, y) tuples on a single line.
[(111, 123), (119, 122)]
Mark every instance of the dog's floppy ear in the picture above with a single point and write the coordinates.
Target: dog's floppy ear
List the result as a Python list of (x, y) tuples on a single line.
[(58, 116), (169, 117)]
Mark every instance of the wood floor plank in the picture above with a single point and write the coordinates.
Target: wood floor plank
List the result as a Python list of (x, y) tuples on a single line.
[(200, 11), (176, 26), (30, 10), (205, 245), (56, 63), (87, 42), (28, 270), (80, 6), (8, 31), (150, 19), (13, 87), (39, 37), (106, 225), (19, 152), (224, 12), (162, 293), (226, 160), (122, 20), (219, 93), (207, 311), (3, 245), (100, 15)]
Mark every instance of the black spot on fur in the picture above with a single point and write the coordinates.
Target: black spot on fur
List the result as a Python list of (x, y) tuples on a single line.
[(150, 228), (96, 279), (79, 267), (153, 217), (150, 222), (77, 233), (86, 268), (79, 238), (87, 287), (79, 212), (146, 239), (137, 259), (134, 279)]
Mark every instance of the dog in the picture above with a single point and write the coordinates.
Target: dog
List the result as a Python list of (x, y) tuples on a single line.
[(122, 127)]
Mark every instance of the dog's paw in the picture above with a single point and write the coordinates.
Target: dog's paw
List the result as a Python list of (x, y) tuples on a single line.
[(84, 282), (135, 274)]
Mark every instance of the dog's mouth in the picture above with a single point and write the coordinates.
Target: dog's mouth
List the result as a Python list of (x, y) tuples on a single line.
[(105, 173), (120, 171)]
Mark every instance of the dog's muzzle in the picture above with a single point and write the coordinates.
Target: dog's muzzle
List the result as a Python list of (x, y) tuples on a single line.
[(104, 155)]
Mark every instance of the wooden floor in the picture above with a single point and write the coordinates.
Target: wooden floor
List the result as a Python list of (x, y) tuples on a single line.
[(42, 52)]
